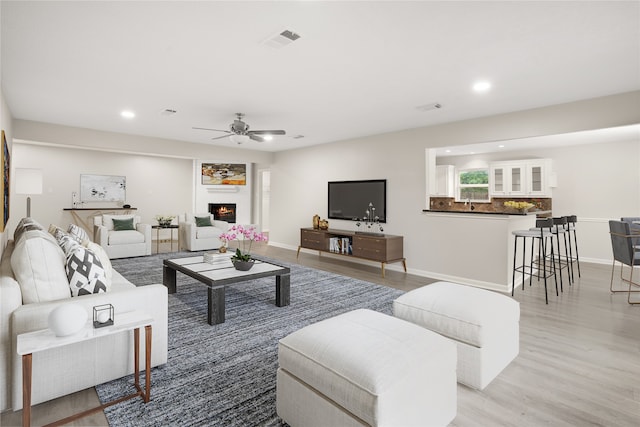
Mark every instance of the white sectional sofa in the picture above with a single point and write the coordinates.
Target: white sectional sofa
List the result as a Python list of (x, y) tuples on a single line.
[(31, 286)]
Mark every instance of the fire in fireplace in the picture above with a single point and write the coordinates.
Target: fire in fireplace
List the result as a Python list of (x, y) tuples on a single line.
[(223, 211)]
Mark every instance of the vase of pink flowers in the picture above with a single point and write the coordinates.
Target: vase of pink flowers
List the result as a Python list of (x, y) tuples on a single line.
[(245, 236)]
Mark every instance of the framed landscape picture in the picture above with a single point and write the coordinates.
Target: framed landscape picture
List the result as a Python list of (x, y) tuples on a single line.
[(103, 188), (224, 174), (6, 170)]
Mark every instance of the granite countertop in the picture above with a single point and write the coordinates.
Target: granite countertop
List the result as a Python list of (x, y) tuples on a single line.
[(540, 212)]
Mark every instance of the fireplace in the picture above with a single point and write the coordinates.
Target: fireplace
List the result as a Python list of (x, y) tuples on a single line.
[(223, 211)]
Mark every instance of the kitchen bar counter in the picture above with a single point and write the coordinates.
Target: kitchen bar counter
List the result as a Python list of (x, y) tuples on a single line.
[(474, 248)]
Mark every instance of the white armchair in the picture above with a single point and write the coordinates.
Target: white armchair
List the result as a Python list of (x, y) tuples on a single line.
[(113, 233), (200, 238)]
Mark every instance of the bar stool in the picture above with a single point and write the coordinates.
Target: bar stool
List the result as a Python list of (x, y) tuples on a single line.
[(561, 228), (541, 234), (571, 223)]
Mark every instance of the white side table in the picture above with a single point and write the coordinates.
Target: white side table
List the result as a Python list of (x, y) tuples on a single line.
[(32, 342)]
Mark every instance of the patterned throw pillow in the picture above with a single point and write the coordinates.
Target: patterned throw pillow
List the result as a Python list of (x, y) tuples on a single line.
[(203, 221), (85, 273), (66, 242), (123, 224), (79, 234)]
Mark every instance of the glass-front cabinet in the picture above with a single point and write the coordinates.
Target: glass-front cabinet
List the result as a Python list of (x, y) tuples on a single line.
[(520, 178), (507, 179)]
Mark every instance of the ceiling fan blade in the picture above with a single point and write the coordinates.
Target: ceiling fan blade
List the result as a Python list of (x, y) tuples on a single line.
[(220, 137), (215, 130), (267, 132), (256, 137)]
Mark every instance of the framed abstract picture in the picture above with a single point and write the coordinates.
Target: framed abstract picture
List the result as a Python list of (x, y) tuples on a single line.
[(103, 188), (6, 171), (224, 174)]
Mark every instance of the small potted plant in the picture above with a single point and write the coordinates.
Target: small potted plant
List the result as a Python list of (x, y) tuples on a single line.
[(242, 259), (164, 221)]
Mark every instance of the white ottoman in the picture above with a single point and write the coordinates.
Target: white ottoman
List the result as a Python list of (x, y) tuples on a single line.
[(484, 324), (366, 368)]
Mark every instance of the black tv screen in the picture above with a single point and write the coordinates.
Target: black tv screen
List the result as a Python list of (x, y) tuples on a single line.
[(350, 199)]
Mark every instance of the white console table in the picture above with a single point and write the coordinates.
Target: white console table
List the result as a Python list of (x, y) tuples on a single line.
[(33, 342)]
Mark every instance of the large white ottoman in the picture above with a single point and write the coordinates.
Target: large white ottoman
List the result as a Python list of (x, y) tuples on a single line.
[(484, 324), (366, 368)]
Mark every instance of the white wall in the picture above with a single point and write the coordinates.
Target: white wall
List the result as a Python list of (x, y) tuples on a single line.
[(299, 177), (163, 176), (155, 185)]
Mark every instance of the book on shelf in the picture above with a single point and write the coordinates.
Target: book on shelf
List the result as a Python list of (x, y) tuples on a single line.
[(341, 245)]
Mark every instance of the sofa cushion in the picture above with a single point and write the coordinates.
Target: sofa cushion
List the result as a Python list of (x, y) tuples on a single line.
[(38, 265), (107, 220), (125, 237), (207, 232), (84, 272)]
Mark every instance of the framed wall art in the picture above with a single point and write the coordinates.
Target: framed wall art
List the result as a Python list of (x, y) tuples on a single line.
[(224, 174), (6, 171), (103, 188)]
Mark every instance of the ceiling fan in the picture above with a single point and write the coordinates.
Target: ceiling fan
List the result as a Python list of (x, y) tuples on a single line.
[(239, 131)]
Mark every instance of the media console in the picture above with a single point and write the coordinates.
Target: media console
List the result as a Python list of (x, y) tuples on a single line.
[(382, 248)]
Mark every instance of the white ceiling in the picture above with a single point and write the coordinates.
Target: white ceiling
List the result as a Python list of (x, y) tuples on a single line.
[(359, 68)]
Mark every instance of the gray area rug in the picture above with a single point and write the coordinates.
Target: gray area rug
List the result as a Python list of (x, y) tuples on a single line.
[(225, 375)]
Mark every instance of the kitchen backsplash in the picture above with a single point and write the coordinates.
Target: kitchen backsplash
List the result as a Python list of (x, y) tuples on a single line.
[(496, 205)]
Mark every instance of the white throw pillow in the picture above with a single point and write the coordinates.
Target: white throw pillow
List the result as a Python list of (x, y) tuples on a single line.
[(38, 264)]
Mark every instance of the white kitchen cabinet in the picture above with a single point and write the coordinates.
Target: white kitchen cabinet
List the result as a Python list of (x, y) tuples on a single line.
[(445, 181), (520, 178)]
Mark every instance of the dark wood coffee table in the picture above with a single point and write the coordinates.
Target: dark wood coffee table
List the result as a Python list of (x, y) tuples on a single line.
[(216, 277)]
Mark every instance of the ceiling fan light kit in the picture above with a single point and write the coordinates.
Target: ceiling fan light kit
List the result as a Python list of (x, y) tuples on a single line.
[(239, 132)]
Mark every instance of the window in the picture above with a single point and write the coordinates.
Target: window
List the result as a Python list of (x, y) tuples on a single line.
[(473, 185)]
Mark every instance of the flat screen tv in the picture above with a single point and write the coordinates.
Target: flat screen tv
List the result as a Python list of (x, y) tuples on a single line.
[(350, 199)]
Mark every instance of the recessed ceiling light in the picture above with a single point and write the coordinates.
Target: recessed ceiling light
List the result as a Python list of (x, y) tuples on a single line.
[(500, 146), (267, 137), (447, 151), (128, 114), (481, 86)]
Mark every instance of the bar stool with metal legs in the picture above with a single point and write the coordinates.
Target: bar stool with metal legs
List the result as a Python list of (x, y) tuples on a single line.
[(542, 233), (561, 228), (571, 226)]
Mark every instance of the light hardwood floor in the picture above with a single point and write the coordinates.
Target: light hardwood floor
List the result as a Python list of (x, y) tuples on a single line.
[(579, 361)]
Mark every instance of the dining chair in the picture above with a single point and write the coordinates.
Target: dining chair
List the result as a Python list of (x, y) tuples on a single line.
[(626, 252)]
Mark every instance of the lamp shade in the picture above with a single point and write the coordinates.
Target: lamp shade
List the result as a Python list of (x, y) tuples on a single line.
[(28, 181)]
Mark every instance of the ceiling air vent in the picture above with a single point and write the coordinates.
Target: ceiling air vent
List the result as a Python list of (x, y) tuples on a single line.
[(429, 107), (168, 112), (281, 39)]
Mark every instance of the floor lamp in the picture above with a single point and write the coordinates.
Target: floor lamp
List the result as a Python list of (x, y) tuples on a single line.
[(28, 181)]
